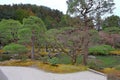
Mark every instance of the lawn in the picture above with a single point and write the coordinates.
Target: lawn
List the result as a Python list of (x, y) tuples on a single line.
[(109, 61), (99, 63), (105, 61)]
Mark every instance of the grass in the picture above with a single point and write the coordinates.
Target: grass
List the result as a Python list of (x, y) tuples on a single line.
[(117, 67), (103, 61), (109, 61), (99, 63), (65, 59), (62, 68)]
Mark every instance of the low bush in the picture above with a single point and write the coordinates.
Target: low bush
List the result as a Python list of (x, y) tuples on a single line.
[(4, 57), (53, 61), (100, 50), (15, 48)]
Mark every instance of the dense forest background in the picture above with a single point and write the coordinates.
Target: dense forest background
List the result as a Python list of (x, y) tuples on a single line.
[(51, 17)]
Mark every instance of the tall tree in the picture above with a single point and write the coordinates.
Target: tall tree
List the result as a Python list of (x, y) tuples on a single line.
[(64, 41), (86, 10), (111, 21), (32, 32)]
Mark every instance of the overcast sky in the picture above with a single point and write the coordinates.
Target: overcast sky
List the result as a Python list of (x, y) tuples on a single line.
[(54, 4)]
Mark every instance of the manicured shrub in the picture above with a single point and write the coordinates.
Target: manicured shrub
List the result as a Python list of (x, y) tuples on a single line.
[(53, 61), (100, 50), (4, 57), (15, 48)]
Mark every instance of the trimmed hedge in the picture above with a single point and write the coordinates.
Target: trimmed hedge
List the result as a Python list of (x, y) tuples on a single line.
[(100, 50), (53, 61), (15, 48)]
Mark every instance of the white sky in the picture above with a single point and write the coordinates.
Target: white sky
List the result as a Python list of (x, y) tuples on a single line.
[(54, 4)]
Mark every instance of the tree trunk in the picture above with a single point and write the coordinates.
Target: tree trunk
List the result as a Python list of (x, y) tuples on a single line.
[(32, 51), (98, 22), (73, 57), (74, 60), (33, 44), (86, 41)]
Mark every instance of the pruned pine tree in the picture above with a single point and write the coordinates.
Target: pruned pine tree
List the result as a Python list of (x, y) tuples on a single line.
[(87, 11), (32, 32)]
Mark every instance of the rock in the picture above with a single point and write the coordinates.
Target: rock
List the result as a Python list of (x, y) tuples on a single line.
[(91, 57)]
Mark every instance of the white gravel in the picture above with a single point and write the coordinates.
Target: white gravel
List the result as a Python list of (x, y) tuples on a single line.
[(24, 73)]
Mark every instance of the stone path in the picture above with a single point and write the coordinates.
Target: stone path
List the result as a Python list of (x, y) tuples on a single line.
[(24, 73)]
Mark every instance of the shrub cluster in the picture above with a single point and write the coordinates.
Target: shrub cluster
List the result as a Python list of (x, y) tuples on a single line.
[(15, 48), (100, 50), (53, 61)]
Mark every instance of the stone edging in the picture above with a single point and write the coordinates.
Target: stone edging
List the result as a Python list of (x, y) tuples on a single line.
[(94, 71)]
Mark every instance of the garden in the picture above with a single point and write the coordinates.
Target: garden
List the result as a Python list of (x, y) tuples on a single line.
[(39, 37)]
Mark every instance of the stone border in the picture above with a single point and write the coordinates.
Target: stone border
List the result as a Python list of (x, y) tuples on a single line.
[(97, 72)]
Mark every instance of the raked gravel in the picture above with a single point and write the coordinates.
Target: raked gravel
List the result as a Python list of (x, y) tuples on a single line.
[(26, 73)]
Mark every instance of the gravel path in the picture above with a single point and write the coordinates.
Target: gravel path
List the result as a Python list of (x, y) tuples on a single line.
[(24, 73)]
